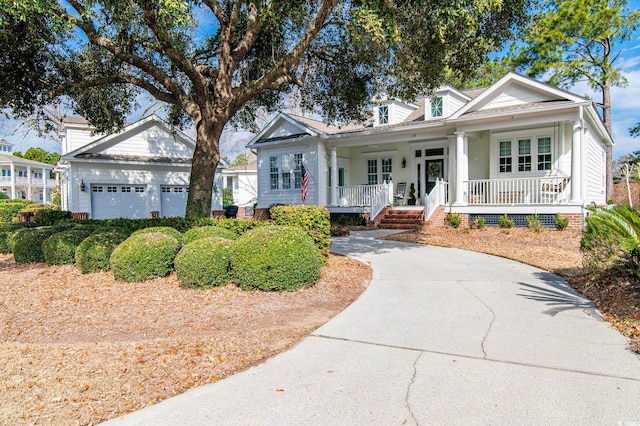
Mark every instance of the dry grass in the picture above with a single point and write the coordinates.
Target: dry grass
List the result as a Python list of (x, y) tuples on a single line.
[(80, 349)]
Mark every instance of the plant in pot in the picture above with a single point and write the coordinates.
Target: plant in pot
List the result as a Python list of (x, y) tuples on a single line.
[(412, 196)]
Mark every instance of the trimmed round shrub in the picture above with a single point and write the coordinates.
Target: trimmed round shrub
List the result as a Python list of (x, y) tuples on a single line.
[(200, 232), (60, 248), (204, 263), (275, 258), (94, 252), (166, 230), (26, 244), (144, 256), (5, 240)]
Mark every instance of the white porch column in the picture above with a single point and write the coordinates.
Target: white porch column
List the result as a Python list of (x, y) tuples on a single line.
[(451, 173), (45, 175), (29, 192), (13, 181), (334, 176), (461, 167), (576, 163)]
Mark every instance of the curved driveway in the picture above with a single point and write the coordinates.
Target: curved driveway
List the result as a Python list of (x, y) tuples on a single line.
[(441, 336)]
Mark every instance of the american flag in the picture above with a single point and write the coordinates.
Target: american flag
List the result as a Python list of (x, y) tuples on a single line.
[(305, 182)]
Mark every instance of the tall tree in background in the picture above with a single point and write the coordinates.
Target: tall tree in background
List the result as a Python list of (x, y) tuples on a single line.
[(214, 61), (577, 40)]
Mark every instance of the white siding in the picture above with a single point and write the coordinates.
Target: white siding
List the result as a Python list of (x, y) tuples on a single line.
[(452, 104), (479, 150), (75, 138), (595, 169), (514, 95), (268, 196), (149, 140), (398, 112), (284, 128)]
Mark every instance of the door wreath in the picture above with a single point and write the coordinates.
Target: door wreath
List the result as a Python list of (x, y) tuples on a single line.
[(434, 170)]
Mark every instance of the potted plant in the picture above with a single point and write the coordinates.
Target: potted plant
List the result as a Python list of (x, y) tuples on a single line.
[(412, 196)]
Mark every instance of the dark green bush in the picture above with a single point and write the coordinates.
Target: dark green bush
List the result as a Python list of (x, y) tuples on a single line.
[(166, 230), (5, 239), (9, 210), (131, 225), (144, 256), (314, 220), (239, 226), (207, 232), (26, 244), (204, 263), (94, 252), (275, 258), (48, 217), (60, 248), (3, 196)]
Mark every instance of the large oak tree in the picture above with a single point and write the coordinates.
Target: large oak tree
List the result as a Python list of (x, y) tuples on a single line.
[(215, 61)]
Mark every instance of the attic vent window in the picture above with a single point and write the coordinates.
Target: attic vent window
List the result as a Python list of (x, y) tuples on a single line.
[(436, 106), (383, 115)]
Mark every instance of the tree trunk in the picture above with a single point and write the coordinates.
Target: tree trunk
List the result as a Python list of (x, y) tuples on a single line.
[(203, 168), (606, 113)]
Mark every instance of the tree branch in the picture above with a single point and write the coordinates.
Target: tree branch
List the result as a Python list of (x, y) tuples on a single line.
[(118, 79), (254, 28)]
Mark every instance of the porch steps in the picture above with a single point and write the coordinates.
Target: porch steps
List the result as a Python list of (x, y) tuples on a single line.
[(401, 219)]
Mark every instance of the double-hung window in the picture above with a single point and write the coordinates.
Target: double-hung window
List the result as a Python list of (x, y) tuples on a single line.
[(544, 153), (506, 160), (524, 155), (274, 176), (297, 170), (386, 169)]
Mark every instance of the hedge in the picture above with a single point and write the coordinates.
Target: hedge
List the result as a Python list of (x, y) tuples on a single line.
[(275, 258), (94, 252), (3, 195), (26, 244), (48, 217), (5, 239), (60, 248), (9, 210), (204, 263), (238, 226), (144, 256), (166, 230), (314, 220), (131, 225), (200, 232)]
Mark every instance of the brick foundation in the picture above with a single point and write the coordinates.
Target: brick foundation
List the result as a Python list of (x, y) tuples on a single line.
[(575, 221), (261, 214), (217, 213)]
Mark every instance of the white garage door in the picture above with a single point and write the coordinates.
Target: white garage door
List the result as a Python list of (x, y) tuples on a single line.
[(174, 200), (112, 201)]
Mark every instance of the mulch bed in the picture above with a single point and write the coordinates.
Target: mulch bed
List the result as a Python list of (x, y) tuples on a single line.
[(81, 349)]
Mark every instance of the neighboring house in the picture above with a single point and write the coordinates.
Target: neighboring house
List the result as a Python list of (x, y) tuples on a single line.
[(518, 147), (139, 172), (243, 182), (22, 178)]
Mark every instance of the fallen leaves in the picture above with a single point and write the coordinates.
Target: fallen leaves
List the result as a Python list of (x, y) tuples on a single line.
[(80, 349)]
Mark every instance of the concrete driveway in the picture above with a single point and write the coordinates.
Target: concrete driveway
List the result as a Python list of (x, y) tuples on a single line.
[(441, 336)]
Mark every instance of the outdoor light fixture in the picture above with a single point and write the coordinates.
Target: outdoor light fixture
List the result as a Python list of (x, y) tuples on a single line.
[(82, 186), (404, 162)]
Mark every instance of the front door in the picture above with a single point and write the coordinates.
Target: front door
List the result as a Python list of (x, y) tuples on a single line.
[(433, 170)]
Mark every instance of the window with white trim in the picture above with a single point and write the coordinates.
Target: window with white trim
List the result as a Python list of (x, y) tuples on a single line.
[(297, 171), (6, 172), (436, 106), (273, 172), (112, 189), (544, 153), (285, 171), (379, 170), (524, 155), (506, 160), (386, 165), (383, 114), (125, 189), (372, 171)]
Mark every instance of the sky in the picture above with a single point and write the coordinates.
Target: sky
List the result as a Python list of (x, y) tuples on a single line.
[(625, 106)]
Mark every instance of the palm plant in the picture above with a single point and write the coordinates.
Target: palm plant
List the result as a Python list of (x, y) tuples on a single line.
[(612, 238)]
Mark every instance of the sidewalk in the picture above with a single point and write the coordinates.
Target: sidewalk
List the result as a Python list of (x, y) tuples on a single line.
[(441, 336)]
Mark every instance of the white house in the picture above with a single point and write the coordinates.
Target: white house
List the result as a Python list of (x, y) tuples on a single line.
[(141, 171), (517, 147), (22, 178), (243, 182)]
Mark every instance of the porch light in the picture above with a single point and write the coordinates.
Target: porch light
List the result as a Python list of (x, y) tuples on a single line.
[(82, 186), (404, 162)]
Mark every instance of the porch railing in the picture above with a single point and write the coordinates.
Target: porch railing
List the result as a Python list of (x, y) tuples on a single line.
[(518, 191), (381, 199), (439, 196), (24, 182), (360, 195)]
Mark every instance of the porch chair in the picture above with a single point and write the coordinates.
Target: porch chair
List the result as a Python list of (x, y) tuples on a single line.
[(551, 190), (399, 194)]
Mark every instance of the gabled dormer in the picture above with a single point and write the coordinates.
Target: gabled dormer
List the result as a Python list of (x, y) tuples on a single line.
[(391, 111), (444, 102), (5, 147)]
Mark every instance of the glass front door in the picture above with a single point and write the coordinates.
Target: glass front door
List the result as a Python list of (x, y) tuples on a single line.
[(433, 170)]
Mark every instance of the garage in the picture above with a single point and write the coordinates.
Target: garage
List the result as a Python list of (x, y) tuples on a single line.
[(112, 201), (173, 200)]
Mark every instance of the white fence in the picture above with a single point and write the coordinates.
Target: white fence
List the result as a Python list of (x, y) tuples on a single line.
[(381, 199), (439, 196), (548, 190)]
